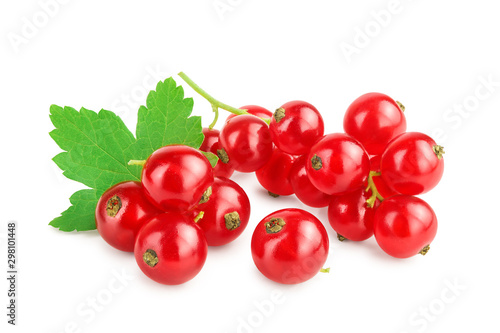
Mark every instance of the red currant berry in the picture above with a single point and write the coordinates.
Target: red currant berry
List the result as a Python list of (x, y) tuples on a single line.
[(170, 249), (176, 178), (412, 163), (382, 188), (121, 211), (374, 119), (350, 216), (226, 214), (246, 142), (338, 164), (404, 226), (296, 126), (255, 110), (305, 191), (290, 246), (211, 144), (273, 176)]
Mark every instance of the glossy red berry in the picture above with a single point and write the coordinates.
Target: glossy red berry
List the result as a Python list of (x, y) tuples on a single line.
[(374, 119), (273, 176), (338, 164), (412, 163), (404, 226), (246, 143), (382, 188), (176, 177), (304, 190), (255, 110), (121, 211), (289, 246), (225, 214), (170, 249), (350, 216), (211, 144), (296, 126)]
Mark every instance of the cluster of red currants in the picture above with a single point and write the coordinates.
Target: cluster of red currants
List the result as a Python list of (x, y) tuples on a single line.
[(171, 217), (368, 176)]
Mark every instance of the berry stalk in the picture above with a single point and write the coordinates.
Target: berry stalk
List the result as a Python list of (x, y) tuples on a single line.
[(199, 216), (216, 104), (137, 162), (371, 186)]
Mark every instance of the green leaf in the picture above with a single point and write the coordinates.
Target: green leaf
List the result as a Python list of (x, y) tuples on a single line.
[(166, 120), (212, 158), (97, 147), (80, 216)]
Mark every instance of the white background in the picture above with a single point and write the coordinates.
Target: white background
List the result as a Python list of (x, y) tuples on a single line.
[(434, 56)]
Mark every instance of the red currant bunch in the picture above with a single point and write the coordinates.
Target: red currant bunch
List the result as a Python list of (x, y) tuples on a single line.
[(367, 177), (402, 164), (177, 210)]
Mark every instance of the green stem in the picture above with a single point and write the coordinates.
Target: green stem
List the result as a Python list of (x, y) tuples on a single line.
[(266, 120), (209, 98), (199, 216), (371, 186), (137, 162), (216, 105), (216, 117), (325, 270)]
